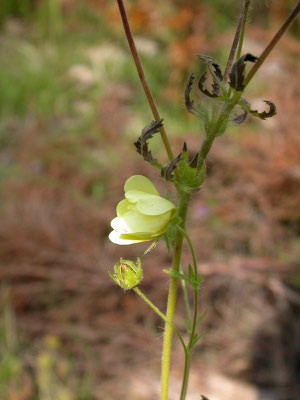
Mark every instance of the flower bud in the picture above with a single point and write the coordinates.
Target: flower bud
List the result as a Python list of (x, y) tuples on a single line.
[(127, 274)]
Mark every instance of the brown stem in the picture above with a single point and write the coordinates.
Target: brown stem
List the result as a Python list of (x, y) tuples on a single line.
[(272, 44), (142, 76), (234, 44)]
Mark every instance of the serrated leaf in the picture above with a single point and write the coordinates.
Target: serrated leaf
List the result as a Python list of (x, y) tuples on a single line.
[(189, 103), (211, 61), (167, 171), (201, 87), (142, 142), (237, 73), (265, 114)]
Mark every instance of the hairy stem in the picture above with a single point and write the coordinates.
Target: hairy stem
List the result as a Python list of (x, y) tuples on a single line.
[(290, 19), (214, 129), (142, 77), (168, 333)]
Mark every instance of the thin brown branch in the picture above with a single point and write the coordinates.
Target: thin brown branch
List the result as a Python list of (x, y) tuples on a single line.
[(142, 77), (235, 43), (272, 43)]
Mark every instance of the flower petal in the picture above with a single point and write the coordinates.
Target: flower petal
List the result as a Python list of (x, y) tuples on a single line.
[(154, 205), (115, 237), (144, 236), (135, 195), (123, 207), (141, 183), (134, 221), (119, 225)]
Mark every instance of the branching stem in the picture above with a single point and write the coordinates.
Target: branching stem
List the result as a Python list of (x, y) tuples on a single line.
[(162, 316)]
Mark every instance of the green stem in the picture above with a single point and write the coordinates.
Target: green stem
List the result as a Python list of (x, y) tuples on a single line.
[(157, 310), (168, 333), (209, 139), (290, 19), (187, 365), (186, 298), (186, 373), (142, 77), (188, 239)]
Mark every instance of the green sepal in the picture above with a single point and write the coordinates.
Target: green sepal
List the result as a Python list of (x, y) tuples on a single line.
[(188, 177), (153, 245), (127, 274)]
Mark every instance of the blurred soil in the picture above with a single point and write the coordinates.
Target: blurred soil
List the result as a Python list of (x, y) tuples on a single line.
[(245, 223)]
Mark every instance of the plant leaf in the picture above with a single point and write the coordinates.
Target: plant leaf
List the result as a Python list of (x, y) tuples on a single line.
[(142, 142), (201, 317), (238, 119), (167, 171), (189, 103), (211, 61), (176, 274), (205, 91), (265, 114), (237, 73)]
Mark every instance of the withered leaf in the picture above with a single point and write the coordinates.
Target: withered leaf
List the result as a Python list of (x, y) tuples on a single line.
[(205, 91), (211, 61), (240, 118), (189, 103), (237, 73), (150, 129), (167, 172), (142, 142), (265, 114)]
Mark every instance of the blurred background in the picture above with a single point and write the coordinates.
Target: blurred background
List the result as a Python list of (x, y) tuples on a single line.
[(71, 106)]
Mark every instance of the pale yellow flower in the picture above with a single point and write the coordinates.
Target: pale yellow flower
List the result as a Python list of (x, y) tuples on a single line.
[(143, 215)]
